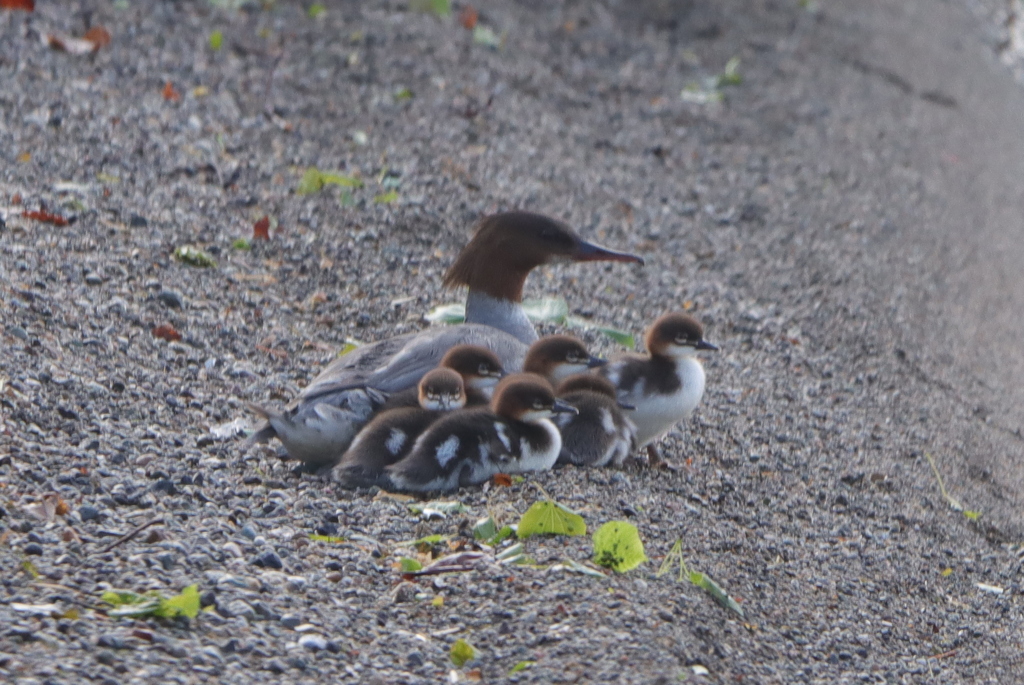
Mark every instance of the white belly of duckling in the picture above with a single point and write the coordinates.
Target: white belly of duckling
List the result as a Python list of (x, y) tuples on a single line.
[(656, 413), (541, 459)]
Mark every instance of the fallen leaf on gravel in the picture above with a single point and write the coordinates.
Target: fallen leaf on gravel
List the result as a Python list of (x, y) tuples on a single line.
[(47, 217), (521, 666), (261, 229), (582, 569), (72, 46), (617, 545), (193, 256), (50, 507), (462, 652), (167, 332), (474, 674), (441, 8), (550, 518), (994, 589), (26, 5), (409, 565), (702, 581), (468, 17), (315, 10), (485, 35), (170, 94), (98, 36), (502, 480), (216, 40), (29, 568), (730, 76), (241, 244), (131, 604), (333, 539)]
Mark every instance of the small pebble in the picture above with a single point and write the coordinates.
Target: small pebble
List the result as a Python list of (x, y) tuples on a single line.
[(248, 531), (93, 278), (269, 559), (290, 621), (170, 298), (33, 548), (112, 640), (313, 642)]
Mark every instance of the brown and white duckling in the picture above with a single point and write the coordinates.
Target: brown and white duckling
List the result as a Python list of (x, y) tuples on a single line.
[(667, 384), (391, 434), (469, 447), (556, 357), (480, 370), (601, 434)]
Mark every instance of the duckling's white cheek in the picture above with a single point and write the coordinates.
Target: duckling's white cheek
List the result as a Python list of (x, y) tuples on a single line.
[(503, 436), (680, 350), (563, 371), (607, 422), (536, 415)]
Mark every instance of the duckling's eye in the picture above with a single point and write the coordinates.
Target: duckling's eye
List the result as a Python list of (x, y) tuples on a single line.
[(572, 358), (484, 370), (538, 404)]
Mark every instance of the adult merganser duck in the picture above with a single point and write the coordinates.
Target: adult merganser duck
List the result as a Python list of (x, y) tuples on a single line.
[(556, 357), (479, 368), (666, 385), (494, 265), (392, 433), (469, 447), (601, 434)]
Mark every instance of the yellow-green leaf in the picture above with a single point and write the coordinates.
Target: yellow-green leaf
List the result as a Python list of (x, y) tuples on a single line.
[(333, 539), (462, 652), (550, 518), (216, 40), (386, 198), (441, 8), (409, 565), (315, 10), (617, 546), (521, 666), (185, 604)]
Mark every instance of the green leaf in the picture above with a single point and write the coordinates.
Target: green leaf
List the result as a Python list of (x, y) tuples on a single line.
[(241, 244), (345, 198), (312, 181), (503, 534), (447, 313), (547, 310), (550, 518), (336, 179), (462, 652), (315, 10), (485, 35), (193, 256), (386, 198), (349, 346), (510, 553), (617, 546), (403, 94), (185, 604), (973, 515), (409, 565), (521, 666), (485, 529), (441, 8), (333, 539), (121, 597), (716, 591), (29, 568), (731, 75), (428, 540), (621, 337), (216, 40)]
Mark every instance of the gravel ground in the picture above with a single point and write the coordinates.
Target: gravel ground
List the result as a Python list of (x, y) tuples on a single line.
[(812, 219)]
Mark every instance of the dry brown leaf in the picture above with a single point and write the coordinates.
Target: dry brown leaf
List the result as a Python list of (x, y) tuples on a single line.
[(170, 94), (261, 229), (26, 5), (167, 332)]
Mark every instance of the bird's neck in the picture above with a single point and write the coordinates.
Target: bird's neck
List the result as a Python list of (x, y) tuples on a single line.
[(499, 313)]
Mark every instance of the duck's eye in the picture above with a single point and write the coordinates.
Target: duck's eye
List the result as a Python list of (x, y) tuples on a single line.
[(572, 358), (484, 370), (538, 404)]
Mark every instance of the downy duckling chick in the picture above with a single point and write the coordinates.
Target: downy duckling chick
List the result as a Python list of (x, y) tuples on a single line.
[(391, 434), (469, 447), (480, 370), (601, 434), (556, 357), (666, 385)]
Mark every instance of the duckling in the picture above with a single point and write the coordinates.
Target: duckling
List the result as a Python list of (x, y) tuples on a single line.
[(468, 447), (391, 434), (601, 434), (666, 385), (480, 370), (556, 357)]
